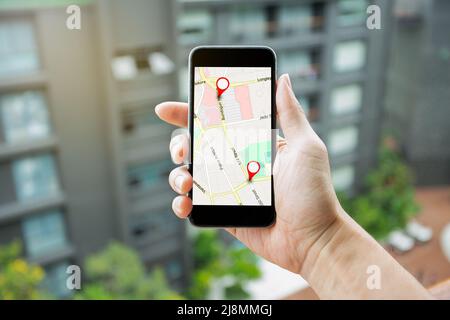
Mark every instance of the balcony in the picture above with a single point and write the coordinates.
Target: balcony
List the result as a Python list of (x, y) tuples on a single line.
[(36, 79), (18, 209), (9, 151)]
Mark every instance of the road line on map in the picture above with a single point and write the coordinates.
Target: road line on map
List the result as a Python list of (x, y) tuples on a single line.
[(238, 199)]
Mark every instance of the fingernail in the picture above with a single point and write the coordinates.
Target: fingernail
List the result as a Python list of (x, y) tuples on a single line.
[(179, 182), (177, 204), (173, 150), (288, 79), (157, 109)]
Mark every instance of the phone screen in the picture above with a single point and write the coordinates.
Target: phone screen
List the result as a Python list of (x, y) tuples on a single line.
[(232, 136)]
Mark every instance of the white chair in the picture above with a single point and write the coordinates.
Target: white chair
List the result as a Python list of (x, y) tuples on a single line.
[(419, 232), (400, 241)]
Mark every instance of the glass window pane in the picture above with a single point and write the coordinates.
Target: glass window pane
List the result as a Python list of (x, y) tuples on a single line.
[(343, 140), (18, 52), (351, 12), (302, 64), (305, 103), (145, 176), (247, 23), (174, 269), (124, 67), (183, 83), (154, 224), (295, 19), (195, 26), (310, 107), (349, 56), (24, 116), (44, 233), (160, 63), (346, 99), (343, 178), (35, 177), (55, 280), (140, 120)]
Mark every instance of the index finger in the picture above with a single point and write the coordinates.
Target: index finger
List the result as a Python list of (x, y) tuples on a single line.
[(175, 113)]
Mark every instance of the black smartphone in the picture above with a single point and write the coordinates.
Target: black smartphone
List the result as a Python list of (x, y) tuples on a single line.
[(232, 135)]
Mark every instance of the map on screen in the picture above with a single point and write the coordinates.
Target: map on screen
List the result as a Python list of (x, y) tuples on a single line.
[(232, 148)]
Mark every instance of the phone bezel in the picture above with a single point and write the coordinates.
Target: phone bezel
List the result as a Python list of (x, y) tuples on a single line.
[(232, 56)]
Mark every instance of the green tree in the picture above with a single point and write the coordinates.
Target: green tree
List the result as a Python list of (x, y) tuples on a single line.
[(387, 199), (18, 278), (213, 261), (118, 273)]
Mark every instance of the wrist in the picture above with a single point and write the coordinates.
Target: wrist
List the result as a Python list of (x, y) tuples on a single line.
[(336, 265), (332, 247)]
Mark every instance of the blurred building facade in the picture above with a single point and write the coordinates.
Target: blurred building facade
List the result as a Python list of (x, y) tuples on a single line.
[(337, 65), (83, 159), (418, 95)]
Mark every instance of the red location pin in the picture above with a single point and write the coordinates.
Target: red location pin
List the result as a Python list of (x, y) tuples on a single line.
[(252, 168), (222, 84)]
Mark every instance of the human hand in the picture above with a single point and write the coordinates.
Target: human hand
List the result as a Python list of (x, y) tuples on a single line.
[(305, 201), (311, 231)]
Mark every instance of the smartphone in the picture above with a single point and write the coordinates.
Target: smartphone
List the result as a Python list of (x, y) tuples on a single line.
[(232, 130)]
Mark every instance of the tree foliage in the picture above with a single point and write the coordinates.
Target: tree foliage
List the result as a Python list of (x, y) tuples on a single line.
[(214, 260), (18, 278), (387, 199), (118, 273)]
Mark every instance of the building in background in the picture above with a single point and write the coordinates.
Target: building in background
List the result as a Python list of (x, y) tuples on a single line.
[(418, 96), (137, 54), (336, 64), (56, 193), (84, 160)]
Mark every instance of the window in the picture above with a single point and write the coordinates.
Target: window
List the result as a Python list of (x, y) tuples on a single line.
[(55, 280), (183, 83), (305, 102), (124, 67), (351, 12), (129, 63), (24, 116), (247, 23), (302, 64), (346, 99), (44, 233), (195, 26), (156, 223), (18, 52), (343, 140), (173, 269), (294, 19), (35, 177), (145, 176), (136, 120), (349, 56), (409, 10), (310, 106), (343, 177), (160, 63)]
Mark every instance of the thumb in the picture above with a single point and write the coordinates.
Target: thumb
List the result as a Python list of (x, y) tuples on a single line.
[(293, 120)]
